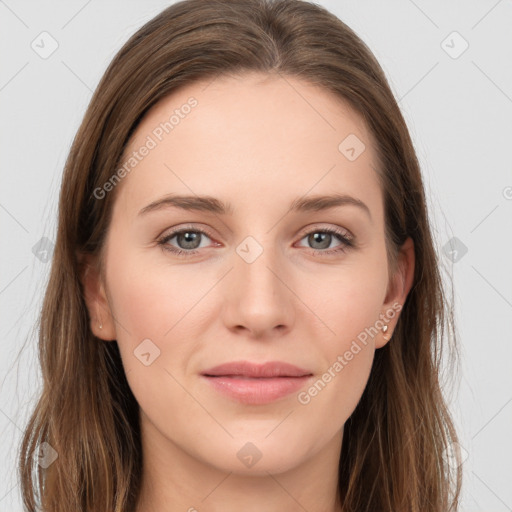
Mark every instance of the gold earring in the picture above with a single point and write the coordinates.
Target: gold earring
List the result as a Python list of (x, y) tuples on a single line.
[(100, 325)]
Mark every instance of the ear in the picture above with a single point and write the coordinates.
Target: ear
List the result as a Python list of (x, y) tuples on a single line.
[(96, 299), (399, 286)]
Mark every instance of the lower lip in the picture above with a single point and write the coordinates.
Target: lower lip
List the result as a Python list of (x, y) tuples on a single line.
[(257, 390)]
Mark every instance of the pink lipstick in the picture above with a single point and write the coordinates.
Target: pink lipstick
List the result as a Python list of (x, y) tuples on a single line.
[(253, 383)]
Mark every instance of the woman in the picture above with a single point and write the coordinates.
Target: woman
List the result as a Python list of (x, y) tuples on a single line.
[(245, 309)]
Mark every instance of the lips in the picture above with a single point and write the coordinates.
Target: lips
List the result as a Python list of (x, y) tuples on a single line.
[(254, 370), (253, 384)]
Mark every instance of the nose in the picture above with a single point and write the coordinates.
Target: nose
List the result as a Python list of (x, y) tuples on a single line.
[(258, 299)]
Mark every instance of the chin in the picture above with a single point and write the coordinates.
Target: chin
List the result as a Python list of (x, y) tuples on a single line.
[(257, 456)]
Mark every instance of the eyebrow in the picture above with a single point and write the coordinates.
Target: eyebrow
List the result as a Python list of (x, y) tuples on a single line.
[(214, 205)]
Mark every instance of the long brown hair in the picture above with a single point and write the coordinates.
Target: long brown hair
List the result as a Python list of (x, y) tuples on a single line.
[(392, 456)]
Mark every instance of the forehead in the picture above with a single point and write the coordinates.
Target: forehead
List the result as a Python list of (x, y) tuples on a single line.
[(250, 134)]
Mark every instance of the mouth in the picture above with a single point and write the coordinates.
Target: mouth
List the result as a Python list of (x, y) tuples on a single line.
[(252, 383)]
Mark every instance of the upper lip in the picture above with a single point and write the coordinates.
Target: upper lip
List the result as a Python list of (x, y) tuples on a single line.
[(255, 370)]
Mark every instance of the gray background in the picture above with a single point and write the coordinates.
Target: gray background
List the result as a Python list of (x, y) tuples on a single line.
[(459, 111)]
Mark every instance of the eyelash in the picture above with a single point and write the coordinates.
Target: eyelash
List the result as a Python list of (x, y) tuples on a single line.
[(347, 243)]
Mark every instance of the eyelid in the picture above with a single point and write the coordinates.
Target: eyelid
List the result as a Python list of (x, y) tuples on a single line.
[(170, 232), (346, 238), (303, 232), (313, 228)]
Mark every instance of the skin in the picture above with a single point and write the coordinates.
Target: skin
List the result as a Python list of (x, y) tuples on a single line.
[(257, 142)]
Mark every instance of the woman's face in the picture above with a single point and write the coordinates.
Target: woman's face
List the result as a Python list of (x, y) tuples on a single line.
[(267, 188)]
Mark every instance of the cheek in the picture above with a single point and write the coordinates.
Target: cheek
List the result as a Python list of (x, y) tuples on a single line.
[(348, 302), (153, 300), (168, 305), (348, 357)]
